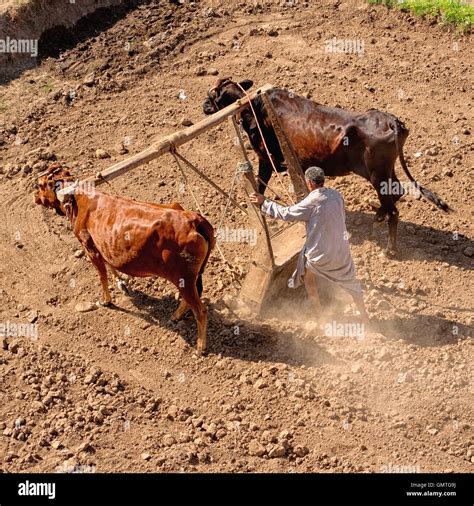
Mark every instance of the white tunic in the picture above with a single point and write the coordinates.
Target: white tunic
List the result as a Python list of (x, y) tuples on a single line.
[(326, 251)]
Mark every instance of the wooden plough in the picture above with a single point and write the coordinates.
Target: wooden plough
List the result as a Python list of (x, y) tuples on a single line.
[(274, 257)]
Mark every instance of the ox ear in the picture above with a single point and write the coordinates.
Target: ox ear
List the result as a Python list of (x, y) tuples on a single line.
[(246, 84)]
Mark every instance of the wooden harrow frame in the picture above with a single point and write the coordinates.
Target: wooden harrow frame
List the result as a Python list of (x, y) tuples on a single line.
[(275, 256)]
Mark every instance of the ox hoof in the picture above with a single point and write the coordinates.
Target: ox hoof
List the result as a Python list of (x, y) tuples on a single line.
[(103, 303), (123, 287), (200, 350), (374, 205), (177, 316), (390, 253), (179, 312)]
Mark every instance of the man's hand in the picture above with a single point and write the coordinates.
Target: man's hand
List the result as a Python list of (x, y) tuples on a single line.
[(257, 198)]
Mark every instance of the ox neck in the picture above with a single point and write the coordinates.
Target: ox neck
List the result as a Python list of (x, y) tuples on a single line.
[(71, 207), (248, 120)]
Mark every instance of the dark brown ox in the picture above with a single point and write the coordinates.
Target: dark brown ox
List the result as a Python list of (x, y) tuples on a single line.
[(334, 139), (136, 238)]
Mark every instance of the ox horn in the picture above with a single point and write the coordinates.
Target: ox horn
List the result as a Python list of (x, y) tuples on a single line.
[(47, 172)]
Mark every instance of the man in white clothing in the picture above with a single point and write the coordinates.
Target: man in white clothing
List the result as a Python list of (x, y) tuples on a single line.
[(326, 251)]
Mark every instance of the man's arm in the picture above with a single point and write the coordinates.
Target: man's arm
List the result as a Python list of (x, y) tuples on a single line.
[(298, 212)]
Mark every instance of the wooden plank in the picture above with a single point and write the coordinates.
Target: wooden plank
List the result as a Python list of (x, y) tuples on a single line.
[(167, 143), (256, 218), (264, 283), (256, 284), (268, 277), (291, 158), (263, 252), (288, 243)]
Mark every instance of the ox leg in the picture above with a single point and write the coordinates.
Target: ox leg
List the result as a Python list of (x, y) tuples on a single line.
[(99, 264), (183, 306), (264, 174), (201, 318), (393, 215), (179, 313), (392, 231), (399, 191), (387, 206), (380, 212), (191, 298), (120, 280)]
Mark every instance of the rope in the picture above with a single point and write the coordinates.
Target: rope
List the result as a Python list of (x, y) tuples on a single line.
[(208, 180), (237, 172), (265, 144), (99, 176), (224, 259), (277, 195), (238, 130), (247, 167), (242, 167)]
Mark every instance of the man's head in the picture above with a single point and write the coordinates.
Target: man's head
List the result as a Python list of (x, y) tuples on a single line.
[(314, 178), (224, 93)]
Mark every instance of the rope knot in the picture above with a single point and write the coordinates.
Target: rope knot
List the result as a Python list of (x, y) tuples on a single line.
[(243, 167)]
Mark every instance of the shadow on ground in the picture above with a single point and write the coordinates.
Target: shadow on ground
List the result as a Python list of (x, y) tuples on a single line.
[(241, 339), (59, 38), (254, 341), (415, 241)]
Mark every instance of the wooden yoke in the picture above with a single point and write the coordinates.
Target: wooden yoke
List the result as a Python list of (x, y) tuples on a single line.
[(166, 144), (273, 258)]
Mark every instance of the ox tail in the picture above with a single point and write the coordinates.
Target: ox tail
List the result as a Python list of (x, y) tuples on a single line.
[(204, 228), (397, 126)]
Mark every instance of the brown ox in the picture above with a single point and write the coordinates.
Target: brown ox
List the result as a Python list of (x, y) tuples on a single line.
[(138, 239), (334, 139)]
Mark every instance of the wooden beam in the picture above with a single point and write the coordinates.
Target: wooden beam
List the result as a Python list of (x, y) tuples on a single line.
[(289, 153), (165, 144), (256, 218)]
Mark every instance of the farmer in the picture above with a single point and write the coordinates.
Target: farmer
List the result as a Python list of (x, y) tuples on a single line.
[(326, 251)]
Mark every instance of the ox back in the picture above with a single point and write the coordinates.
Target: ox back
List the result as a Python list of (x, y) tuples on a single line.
[(340, 142)]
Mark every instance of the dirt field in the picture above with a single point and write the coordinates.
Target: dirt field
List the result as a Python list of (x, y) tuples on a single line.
[(121, 389)]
